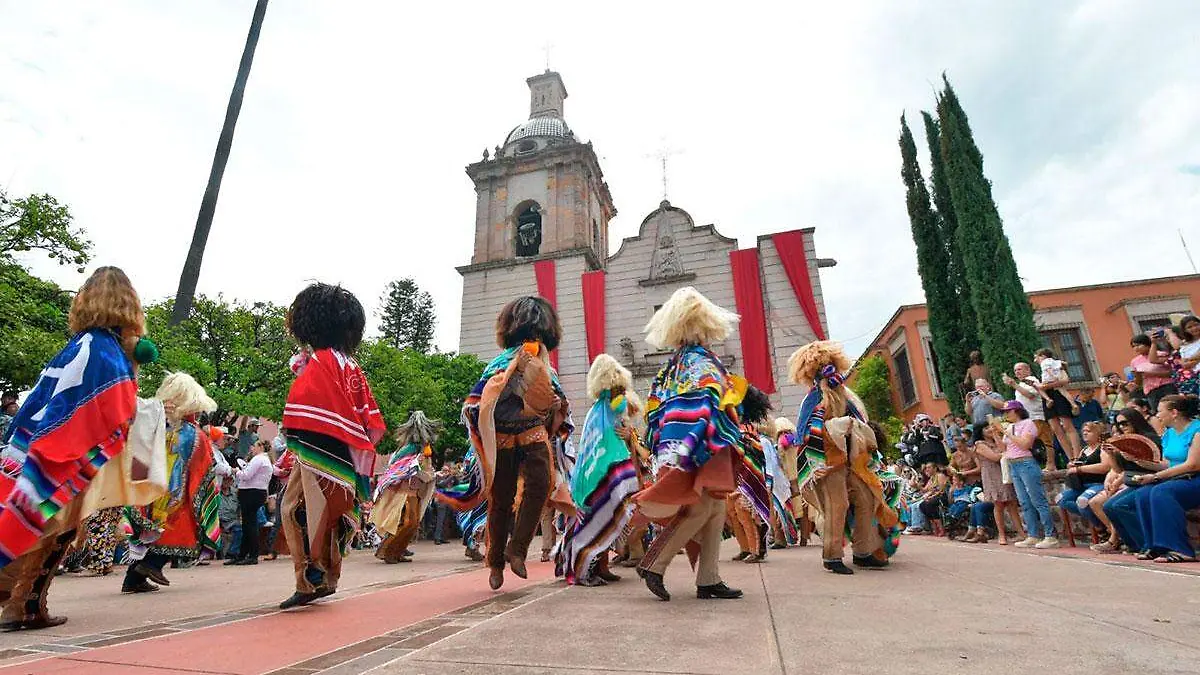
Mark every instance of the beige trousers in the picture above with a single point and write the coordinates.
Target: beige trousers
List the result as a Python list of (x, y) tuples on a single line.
[(836, 493), (742, 522), (702, 523), (548, 534), (312, 512)]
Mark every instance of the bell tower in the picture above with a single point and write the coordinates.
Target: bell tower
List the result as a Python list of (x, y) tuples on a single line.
[(542, 192)]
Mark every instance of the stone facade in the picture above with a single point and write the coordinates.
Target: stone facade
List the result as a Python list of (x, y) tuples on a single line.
[(542, 194)]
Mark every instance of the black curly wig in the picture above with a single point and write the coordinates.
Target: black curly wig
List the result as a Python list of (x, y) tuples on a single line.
[(327, 317), (755, 406), (527, 319)]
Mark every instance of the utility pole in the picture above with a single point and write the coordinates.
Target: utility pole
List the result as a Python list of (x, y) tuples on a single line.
[(208, 205)]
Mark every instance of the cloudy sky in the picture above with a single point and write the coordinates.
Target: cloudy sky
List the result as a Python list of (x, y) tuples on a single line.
[(360, 116)]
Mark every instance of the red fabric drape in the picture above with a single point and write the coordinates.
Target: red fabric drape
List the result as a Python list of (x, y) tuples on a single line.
[(547, 287), (748, 296), (790, 246), (593, 312)]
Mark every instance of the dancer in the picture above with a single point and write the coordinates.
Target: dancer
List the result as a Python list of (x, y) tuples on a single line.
[(841, 471), (331, 423), (405, 488), (692, 429), (184, 522), (604, 478), (76, 420), (514, 413), (789, 450)]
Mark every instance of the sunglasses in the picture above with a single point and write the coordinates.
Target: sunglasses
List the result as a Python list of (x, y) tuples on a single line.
[(1122, 423)]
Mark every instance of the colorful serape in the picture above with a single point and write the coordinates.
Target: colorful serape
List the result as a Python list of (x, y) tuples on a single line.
[(752, 473), (603, 482), (403, 465), (75, 419), (686, 423), (781, 492), (184, 521)]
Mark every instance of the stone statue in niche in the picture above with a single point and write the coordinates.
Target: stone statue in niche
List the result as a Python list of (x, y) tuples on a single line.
[(668, 259), (626, 346), (529, 231)]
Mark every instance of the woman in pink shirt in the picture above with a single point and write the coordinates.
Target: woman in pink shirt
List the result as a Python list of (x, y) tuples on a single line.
[(1156, 377), (1026, 474)]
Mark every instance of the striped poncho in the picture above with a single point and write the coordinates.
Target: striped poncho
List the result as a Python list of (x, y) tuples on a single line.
[(604, 480), (686, 412), (752, 473), (184, 521), (73, 422)]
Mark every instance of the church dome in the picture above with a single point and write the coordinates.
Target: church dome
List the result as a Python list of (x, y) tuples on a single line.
[(541, 126)]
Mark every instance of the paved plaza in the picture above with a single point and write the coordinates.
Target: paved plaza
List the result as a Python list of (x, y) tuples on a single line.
[(941, 606)]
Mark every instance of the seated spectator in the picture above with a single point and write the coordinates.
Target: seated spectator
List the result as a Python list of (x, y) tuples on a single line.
[(915, 488), (1143, 407), (1121, 506), (963, 463), (997, 497), (935, 499), (1168, 493), (1085, 475), (1090, 409)]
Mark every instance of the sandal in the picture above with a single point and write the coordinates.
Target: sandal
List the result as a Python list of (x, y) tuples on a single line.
[(1173, 557), (1106, 547), (1146, 555)]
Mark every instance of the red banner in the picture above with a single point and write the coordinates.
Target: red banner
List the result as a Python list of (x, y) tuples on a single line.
[(748, 295), (547, 287), (593, 312), (790, 246)]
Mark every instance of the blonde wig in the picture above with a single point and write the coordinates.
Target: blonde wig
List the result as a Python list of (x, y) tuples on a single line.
[(108, 300), (688, 318), (605, 375), (783, 424), (805, 366), (186, 394)]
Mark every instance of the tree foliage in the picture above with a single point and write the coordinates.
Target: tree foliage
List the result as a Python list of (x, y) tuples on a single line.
[(933, 260), (405, 380), (1004, 317), (406, 317), (38, 223), (33, 323), (872, 384), (239, 351)]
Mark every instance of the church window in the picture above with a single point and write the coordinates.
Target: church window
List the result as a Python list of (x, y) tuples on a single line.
[(529, 230), (526, 145)]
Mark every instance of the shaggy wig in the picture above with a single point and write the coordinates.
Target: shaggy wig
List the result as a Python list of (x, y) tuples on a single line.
[(804, 368), (528, 319), (688, 318), (327, 317), (783, 424), (608, 375), (756, 406), (419, 429), (186, 394), (107, 300)]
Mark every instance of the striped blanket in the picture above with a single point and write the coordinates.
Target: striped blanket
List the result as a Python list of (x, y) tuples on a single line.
[(685, 411), (603, 482), (752, 473), (76, 419)]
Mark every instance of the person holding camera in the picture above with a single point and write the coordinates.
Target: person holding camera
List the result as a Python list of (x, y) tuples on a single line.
[(1149, 366), (982, 401)]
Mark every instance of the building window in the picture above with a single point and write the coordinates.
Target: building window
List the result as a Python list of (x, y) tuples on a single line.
[(908, 388), (935, 371), (1147, 324), (529, 230), (1067, 344)]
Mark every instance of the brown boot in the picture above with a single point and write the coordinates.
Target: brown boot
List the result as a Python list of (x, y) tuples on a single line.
[(496, 579)]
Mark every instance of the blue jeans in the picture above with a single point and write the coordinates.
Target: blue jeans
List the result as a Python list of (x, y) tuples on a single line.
[(1162, 510), (1031, 495), (1121, 509), (440, 513), (916, 519), (982, 514), (1075, 502)]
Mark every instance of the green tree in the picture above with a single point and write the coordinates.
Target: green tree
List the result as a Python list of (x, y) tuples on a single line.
[(873, 385), (407, 316), (933, 259), (956, 274), (39, 223), (405, 380), (33, 323), (1004, 317), (239, 351)]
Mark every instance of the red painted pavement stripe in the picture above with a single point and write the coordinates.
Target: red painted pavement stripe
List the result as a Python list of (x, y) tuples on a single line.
[(273, 641)]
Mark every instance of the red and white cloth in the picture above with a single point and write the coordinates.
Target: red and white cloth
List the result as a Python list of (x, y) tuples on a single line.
[(330, 396)]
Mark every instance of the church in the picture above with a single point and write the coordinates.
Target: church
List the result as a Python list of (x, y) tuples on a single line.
[(541, 227)]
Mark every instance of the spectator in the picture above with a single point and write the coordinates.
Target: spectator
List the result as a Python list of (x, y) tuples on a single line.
[(1026, 475), (934, 499), (1085, 475), (1090, 409), (1056, 406), (253, 478), (1174, 488), (231, 522), (976, 370), (1116, 398), (998, 496), (1121, 505), (953, 430), (928, 440), (1143, 406), (8, 410), (982, 402), (248, 438), (1026, 392), (963, 463), (1184, 360), (916, 493), (1153, 372)]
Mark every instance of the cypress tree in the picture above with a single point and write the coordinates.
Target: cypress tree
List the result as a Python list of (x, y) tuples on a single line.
[(948, 222), (941, 298), (1004, 317)]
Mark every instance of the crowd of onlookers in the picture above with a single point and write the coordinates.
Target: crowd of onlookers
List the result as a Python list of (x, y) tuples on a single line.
[(1122, 460)]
